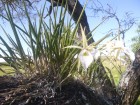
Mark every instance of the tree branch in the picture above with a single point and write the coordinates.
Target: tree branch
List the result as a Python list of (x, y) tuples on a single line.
[(75, 15)]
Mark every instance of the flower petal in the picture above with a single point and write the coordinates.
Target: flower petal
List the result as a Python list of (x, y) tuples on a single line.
[(119, 44), (95, 53), (130, 54), (85, 58)]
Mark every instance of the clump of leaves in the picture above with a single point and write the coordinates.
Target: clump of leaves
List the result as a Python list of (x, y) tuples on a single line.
[(45, 42)]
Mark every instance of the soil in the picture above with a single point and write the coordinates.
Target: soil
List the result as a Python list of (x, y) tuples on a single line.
[(38, 91)]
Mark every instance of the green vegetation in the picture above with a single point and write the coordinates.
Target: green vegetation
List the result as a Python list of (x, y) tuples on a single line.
[(45, 42), (138, 101), (114, 68), (50, 50), (5, 69), (136, 41)]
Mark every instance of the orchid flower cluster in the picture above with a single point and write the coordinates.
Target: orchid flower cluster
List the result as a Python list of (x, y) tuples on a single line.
[(90, 53), (117, 48)]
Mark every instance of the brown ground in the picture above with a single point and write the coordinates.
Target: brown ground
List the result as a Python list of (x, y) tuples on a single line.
[(38, 91)]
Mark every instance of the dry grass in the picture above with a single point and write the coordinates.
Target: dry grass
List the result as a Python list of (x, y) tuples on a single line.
[(6, 70)]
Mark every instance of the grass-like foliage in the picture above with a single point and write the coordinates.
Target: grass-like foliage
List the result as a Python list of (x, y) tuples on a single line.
[(45, 41)]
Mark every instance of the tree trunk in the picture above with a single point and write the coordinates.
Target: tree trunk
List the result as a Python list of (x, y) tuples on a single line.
[(104, 87), (129, 85), (71, 4)]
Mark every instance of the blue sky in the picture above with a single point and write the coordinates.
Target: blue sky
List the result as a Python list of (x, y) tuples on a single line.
[(119, 6)]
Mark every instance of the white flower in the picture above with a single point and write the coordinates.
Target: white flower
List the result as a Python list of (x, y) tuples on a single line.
[(117, 49), (85, 58), (95, 53), (109, 47), (76, 56), (119, 44), (130, 54)]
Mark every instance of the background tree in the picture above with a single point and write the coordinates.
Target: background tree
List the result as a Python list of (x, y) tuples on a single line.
[(136, 41)]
